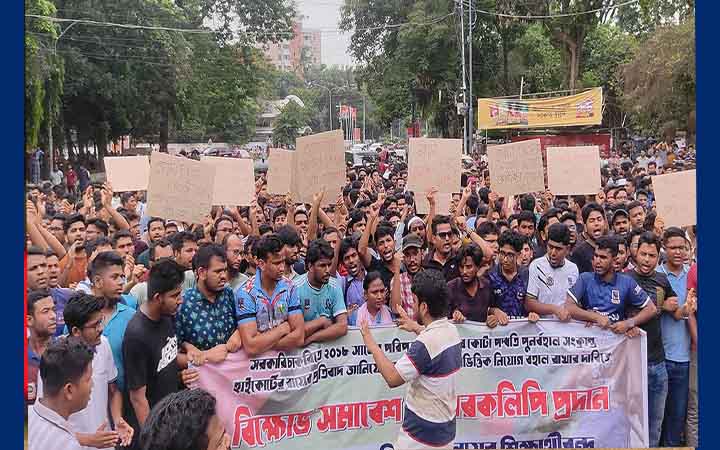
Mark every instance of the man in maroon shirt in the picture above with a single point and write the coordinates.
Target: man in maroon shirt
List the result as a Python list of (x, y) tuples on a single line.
[(469, 294)]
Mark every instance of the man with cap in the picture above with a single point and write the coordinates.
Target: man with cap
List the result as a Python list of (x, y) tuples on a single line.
[(620, 222), (401, 296)]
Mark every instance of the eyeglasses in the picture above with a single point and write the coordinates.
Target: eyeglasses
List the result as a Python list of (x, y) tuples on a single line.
[(444, 235), (506, 255), (97, 325)]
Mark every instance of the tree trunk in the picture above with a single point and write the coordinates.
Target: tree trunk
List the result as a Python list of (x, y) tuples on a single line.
[(506, 70), (164, 129)]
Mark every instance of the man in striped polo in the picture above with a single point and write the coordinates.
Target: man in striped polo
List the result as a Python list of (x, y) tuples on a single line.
[(430, 366)]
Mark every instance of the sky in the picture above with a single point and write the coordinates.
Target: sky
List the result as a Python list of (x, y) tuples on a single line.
[(325, 15)]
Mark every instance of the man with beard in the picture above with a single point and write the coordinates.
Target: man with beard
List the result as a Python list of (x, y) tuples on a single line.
[(320, 296), (207, 320), (509, 282), (442, 257), (620, 222), (156, 232), (150, 348), (291, 246), (57, 227), (159, 250), (469, 294), (84, 319), (106, 275), (352, 284), (595, 227), (73, 265), (184, 246), (429, 366), (601, 296), (401, 297), (657, 286), (636, 213), (569, 219), (550, 277), (222, 227), (234, 255), (41, 326), (622, 258), (268, 310), (632, 245)]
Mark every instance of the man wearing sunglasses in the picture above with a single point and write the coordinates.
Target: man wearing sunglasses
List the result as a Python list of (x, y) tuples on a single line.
[(442, 257)]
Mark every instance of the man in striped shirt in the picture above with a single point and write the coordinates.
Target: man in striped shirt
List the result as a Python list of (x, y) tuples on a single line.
[(430, 366)]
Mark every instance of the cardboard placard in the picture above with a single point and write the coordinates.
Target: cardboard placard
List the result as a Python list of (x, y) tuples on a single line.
[(516, 168), (434, 163), (281, 165), (574, 170), (127, 173), (234, 182), (675, 198), (180, 188), (319, 162)]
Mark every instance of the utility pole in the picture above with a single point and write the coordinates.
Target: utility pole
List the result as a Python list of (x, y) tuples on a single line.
[(464, 77), (471, 109), (51, 156), (364, 137)]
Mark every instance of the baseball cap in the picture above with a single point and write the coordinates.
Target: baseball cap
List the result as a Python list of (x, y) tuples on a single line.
[(619, 212), (411, 240)]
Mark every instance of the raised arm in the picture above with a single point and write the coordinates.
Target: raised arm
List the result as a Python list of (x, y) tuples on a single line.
[(106, 196)]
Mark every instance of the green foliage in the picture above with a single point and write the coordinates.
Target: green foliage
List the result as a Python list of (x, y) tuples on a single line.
[(538, 61), (293, 118)]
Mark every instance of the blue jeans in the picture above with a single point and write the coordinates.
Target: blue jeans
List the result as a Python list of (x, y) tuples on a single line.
[(657, 394), (677, 402)]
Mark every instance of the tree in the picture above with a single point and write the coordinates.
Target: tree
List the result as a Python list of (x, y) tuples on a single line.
[(293, 118), (537, 60), (659, 82)]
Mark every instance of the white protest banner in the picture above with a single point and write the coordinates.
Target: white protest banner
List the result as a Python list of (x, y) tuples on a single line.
[(434, 163), (281, 164), (675, 198), (234, 180), (573, 170), (516, 168), (180, 188), (320, 162), (127, 173)]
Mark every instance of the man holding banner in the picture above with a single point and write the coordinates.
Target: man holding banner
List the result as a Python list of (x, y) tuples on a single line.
[(429, 365)]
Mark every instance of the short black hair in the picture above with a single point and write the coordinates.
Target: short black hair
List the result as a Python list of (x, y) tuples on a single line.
[(125, 197), (164, 242), (370, 277), (511, 238), (430, 287), (438, 220), (560, 233), (64, 361), (71, 219), (345, 246), (102, 261), (119, 235), (34, 297), (79, 308), (99, 223), (486, 228), (634, 204), (265, 228), (356, 216), (91, 246), (205, 253), (281, 211), (300, 211), (383, 231), (268, 245), (589, 208), (317, 250), (526, 216), (568, 216), (165, 275), (328, 231), (648, 237), (527, 203), (180, 238), (189, 410), (473, 252), (35, 250), (288, 235), (155, 219), (607, 243), (674, 232)]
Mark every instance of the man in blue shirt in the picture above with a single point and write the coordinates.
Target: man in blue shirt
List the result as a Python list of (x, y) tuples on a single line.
[(601, 296), (320, 296), (268, 311), (352, 283), (676, 338), (508, 282), (206, 323)]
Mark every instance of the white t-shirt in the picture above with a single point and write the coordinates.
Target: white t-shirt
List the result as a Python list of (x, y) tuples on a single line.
[(56, 177), (550, 285), (104, 372), (47, 430)]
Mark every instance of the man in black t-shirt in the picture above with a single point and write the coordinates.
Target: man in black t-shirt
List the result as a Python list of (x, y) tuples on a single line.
[(150, 346), (658, 288)]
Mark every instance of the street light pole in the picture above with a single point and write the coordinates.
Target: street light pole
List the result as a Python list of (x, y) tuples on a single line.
[(51, 160)]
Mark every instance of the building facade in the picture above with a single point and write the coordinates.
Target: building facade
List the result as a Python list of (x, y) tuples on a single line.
[(287, 55)]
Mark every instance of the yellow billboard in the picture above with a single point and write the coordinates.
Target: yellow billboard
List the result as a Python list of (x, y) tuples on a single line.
[(584, 108)]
